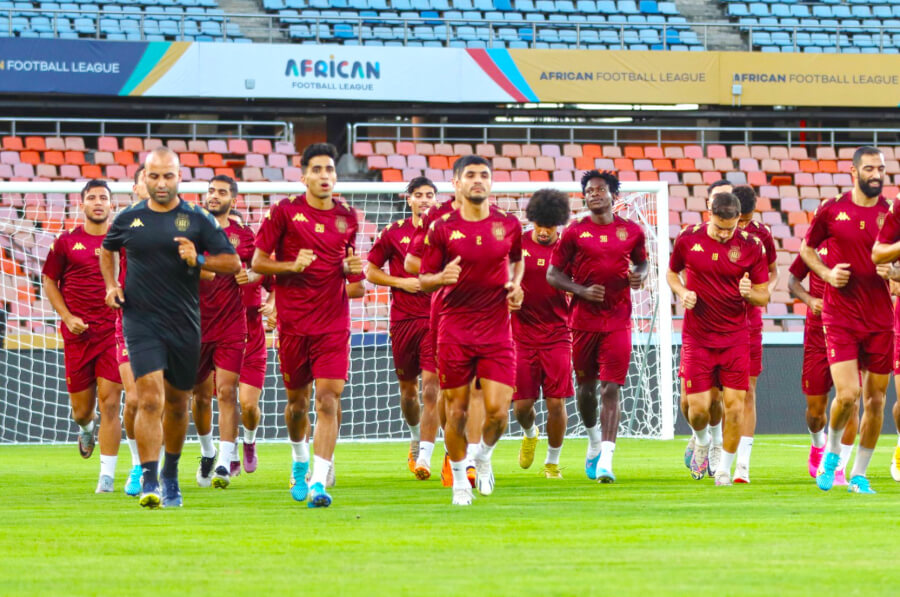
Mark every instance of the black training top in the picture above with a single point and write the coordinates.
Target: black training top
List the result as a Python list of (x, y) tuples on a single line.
[(160, 288)]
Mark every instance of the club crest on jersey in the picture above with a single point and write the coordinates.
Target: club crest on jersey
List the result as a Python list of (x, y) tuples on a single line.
[(734, 253), (182, 222), (340, 223), (622, 233), (880, 220), (498, 230), (234, 240)]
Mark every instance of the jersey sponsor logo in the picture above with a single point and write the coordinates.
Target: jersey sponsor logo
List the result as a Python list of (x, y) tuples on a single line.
[(320, 228), (697, 248), (541, 262), (842, 217), (585, 234), (405, 240), (234, 239), (341, 223), (136, 223), (78, 247), (457, 235), (299, 218), (734, 253), (498, 230), (182, 222), (622, 233)]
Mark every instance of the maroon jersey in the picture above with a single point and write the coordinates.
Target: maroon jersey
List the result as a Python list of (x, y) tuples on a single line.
[(312, 302), (601, 254), (541, 322), (417, 245), (391, 247), (74, 264), (889, 234), (714, 270), (474, 310), (814, 335), (221, 308), (864, 304), (764, 234)]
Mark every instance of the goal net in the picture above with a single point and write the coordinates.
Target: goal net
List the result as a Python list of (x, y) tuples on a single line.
[(34, 406)]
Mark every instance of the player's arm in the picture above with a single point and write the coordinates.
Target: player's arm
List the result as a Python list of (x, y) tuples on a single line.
[(773, 276), (637, 273), (798, 291), (837, 276), (688, 297), (412, 264), (886, 253), (558, 279), (379, 277), (356, 290), (217, 263), (75, 324), (114, 295), (264, 264), (207, 275), (755, 294), (446, 277)]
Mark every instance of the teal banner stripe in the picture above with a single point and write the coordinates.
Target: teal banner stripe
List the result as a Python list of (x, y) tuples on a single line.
[(152, 55), (506, 65)]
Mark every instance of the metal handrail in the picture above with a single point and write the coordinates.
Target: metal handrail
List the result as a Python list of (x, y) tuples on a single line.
[(282, 129)]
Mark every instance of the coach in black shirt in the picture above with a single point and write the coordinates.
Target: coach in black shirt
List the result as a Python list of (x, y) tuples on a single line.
[(165, 239)]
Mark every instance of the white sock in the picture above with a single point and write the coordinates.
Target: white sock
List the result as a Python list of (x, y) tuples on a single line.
[(414, 432), (320, 471), (300, 451), (594, 441), (531, 433), (863, 456), (162, 454), (716, 431), (108, 465), (818, 437), (833, 442), (606, 455), (460, 480), (845, 456), (89, 428), (484, 451), (726, 462), (702, 436), (207, 448), (744, 449), (898, 441), (553, 455), (132, 447), (472, 451), (226, 453), (249, 436), (426, 449)]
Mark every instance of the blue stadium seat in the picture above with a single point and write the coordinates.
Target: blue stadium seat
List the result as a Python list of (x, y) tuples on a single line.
[(737, 9), (823, 11), (668, 8), (526, 34), (586, 6), (536, 17), (565, 6), (800, 10), (503, 5), (861, 11), (555, 17), (545, 6), (627, 7), (440, 5), (636, 19), (589, 36), (471, 15), (493, 16), (518, 45), (882, 11), (781, 10), (525, 6), (649, 7), (507, 34), (483, 5), (762, 38), (463, 5), (345, 31), (607, 7), (548, 35), (432, 16), (423, 32), (451, 15)]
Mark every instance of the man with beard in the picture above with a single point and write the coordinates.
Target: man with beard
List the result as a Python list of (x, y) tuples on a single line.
[(165, 239), (599, 259), (542, 336), (74, 286), (856, 311)]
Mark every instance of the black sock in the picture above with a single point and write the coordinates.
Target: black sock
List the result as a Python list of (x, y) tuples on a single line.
[(150, 474), (170, 467)]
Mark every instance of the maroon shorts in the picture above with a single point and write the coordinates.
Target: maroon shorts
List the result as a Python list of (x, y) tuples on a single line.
[(548, 368), (86, 361), (816, 375), (305, 358), (409, 341), (221, 354), (703, 368), (253, 368), (756, 352), (872, 350), (121, 350), (428, 358), (460, 364), (601, 355), (896, 354)]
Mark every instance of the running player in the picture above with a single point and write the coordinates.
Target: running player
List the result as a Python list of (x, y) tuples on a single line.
[(165, 239), (468, 255), (410, 342), (313, 237), (542, 336), (223, 324), (816, 377), (74, 286), (607, 257), (724, 268), (856, 312)]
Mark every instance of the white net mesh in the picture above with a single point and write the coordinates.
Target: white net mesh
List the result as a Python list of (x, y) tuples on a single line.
[(34, 405)]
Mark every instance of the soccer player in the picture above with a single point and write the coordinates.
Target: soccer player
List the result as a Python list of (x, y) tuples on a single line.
[(223, 324), (723, 269), (468, 255), (747, 196), (165, 239), (313, 237), (74, 286), (541, 333), (816, 377), (599, 259), (856, 311), (409, 328)]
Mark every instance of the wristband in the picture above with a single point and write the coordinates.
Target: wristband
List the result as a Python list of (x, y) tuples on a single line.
[(201, 260)]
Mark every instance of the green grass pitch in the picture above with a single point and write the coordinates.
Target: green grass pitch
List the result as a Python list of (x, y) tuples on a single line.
[(655, 532)]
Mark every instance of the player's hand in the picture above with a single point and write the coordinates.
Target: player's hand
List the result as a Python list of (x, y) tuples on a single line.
[(450, 274), (745, 286), (689, 299), (895, 287), (242, 277), (594, 293), (352, 264), (187, 251), (115, 298), (272, 321), (839, 275), (884, 270), (514, 296), (410, 285), (206, 275), (815, 306), (304, 258), (76, 325), (635, 280), (267, 310)]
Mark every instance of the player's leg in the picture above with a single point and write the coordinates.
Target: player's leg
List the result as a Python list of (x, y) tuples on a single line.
[(497, 396), (613, 359), (201, 407), (528, 386), (248, 396), (109, 397), (557, 422), (556, 368), (873, 398), (698, 418), (716, 414), (429, 425), (895, 411), (406, 337), (733, 407), (845, 404), (252, 381), (748, 427), (148, 431), (296, 420), (129, 412), (815, 422), (523, 409), (585, 362), (474, 427), (84, 408), (328, 397), (409, 406), (175, 425), (226, 396), (847, 440), (456, 403)]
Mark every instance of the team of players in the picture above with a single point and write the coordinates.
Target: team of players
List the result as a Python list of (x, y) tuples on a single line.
[(473, 357)]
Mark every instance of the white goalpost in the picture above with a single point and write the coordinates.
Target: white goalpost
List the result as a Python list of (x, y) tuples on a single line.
[(34, 405)]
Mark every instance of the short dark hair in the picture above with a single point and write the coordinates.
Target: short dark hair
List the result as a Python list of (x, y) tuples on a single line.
[(864, 150), (548, 208), (229, 181), (747, 197), (468, 160), (612, 181), (137, 174), (719, 183), (317, 149), (420, 181), (93, 184), (725, 206)]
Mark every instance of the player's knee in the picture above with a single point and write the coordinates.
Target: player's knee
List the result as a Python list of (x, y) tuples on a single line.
[(327, 404), (556, 407), (226, 394), (874, 401)]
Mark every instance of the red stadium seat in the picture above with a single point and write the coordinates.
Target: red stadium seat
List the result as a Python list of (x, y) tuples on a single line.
[(623, 164), (539, 176), (809, 166), (444, 149), (55, 158), (693, 151), (213, 160), (589, 150), (684, 165), (240, 147), (125, 158), (572, 150), (648, 176), (519, 176), (739, 152), (633, 152), (829, 166), (263, 146), (151, 144), (362, 149), (485, 150), (462, 149), (406, 147), (716, 151), (74, 157), (35, 143), (30, 157), (191, 160), (103, 157), (584, 163), (116, 172), (525, 163), (133, 144), (662, 164), (759, 152), (723, 164), (544, 163), (91, 171), (653, 152), (797, 153), (511, 150), (438, 162), (396, 161), (673, 152), (779, 153), (391, 175), (217, 146), (500, 176), (756, 179), (612, 151), (528, 150)]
